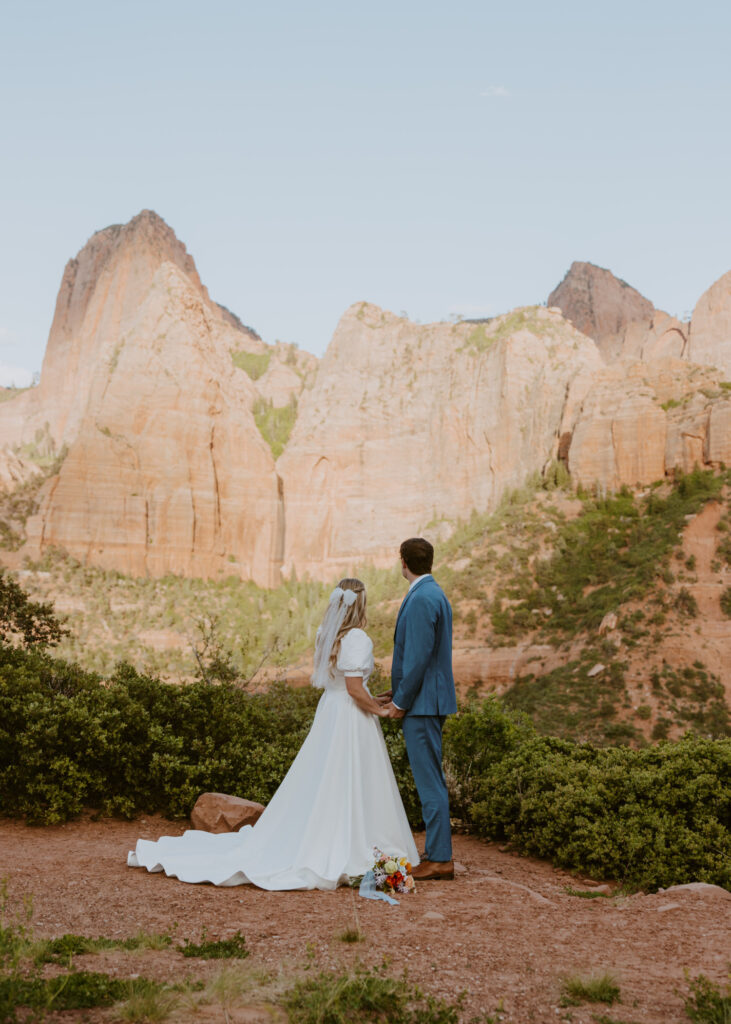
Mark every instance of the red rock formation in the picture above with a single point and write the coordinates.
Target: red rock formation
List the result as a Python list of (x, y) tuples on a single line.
[(602, 306), (710, 328), (167, 471), (640, 422), (404, 425), (408, 424)]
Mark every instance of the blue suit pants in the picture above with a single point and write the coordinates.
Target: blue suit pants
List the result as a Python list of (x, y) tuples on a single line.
[(423, 737)]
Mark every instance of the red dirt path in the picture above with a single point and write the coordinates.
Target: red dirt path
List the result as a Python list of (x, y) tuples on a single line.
[(505, 929)]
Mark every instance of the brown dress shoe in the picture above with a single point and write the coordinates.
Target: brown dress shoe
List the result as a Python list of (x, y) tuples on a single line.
[(442, 870)]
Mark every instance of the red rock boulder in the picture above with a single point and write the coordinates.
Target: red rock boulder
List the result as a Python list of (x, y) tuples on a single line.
[(218, 812)]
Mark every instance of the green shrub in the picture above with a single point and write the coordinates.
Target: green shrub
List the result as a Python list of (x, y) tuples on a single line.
[(708, 1003), (135, 744), (650, 817), (647, 817), (726, 602)]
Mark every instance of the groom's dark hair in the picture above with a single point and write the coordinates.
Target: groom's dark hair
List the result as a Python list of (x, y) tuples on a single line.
[(418, 555)]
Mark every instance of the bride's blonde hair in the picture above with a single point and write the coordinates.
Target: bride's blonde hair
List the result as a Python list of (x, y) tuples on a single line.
[(355, 616)]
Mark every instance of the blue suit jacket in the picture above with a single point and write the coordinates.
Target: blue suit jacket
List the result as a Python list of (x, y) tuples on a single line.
[(421, 674)]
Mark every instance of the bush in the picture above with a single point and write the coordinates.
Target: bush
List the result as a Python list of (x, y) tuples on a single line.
[(650, 817), (133, 744), (708, 1003)]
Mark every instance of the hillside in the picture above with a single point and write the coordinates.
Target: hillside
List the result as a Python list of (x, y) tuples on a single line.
[(603, 618)]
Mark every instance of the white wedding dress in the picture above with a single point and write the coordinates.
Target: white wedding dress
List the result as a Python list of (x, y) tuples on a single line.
[(338, 800)]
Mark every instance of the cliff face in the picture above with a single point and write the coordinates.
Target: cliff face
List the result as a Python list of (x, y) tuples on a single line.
[(638, 423), (710, 327), (100, 289), (162, 400), (167, 471), (407, 424)]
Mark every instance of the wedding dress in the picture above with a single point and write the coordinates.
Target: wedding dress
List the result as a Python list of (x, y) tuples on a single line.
[(338, 800)]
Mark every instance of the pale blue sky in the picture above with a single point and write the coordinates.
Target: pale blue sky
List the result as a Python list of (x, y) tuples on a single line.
[(433, 158)]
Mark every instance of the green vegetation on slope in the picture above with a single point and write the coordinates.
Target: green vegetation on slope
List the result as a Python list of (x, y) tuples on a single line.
[(115, 618), (613, 553), (275, 423), (252, 363)]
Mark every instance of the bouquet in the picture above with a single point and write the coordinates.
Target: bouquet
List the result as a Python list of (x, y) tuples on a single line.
[(392, 874)]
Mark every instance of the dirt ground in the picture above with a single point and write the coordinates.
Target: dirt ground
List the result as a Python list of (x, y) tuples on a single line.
[(505, 930)]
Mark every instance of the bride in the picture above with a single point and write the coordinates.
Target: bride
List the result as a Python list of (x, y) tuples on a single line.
[(338, 800)]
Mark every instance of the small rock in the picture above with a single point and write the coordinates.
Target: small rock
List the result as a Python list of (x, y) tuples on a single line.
[(608, 623), (705, 888), (218, 812), (596, 670), (668, 906), (432, 915), (459, 869), (518, 886)]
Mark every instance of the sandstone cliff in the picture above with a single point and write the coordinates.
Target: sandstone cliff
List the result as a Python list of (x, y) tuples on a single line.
[(171, 411), (407, 424), (638, 423), (166, 469), (710, 328)]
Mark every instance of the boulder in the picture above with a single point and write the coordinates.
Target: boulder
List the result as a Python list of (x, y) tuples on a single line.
[(702, 888), (218, 812)]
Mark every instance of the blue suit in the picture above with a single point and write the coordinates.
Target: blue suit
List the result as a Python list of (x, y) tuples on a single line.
[(423, 686)]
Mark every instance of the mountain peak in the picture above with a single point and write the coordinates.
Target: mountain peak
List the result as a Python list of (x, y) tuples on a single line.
[(601, 305)]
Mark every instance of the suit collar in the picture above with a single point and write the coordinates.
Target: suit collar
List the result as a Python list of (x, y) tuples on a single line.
[(417, 584)]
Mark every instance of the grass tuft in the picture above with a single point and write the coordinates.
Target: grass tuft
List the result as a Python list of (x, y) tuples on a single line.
[(600, 988), (149, 1003), (233, 948), (586, 894), (362, 997)]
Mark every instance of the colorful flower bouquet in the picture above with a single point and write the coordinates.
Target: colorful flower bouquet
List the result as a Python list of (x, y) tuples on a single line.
[(392, 874)]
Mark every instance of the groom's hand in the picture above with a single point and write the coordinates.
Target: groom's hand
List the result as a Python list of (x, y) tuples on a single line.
[(384, 698), (393, 711)]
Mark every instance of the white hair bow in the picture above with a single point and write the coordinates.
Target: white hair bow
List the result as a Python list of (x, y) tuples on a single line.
[(349, 596)]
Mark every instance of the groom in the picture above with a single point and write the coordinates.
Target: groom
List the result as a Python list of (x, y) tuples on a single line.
[(423, 695)]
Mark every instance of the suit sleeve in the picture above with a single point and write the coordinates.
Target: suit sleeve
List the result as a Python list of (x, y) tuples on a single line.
[(419, 640)]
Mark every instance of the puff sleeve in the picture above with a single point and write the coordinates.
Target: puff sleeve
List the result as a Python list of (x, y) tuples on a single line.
[(355, 657)]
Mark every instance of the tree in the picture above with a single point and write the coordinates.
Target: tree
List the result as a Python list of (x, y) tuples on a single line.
[(32, 623)]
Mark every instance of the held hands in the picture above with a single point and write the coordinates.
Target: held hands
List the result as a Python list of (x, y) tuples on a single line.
[(388, 708)]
